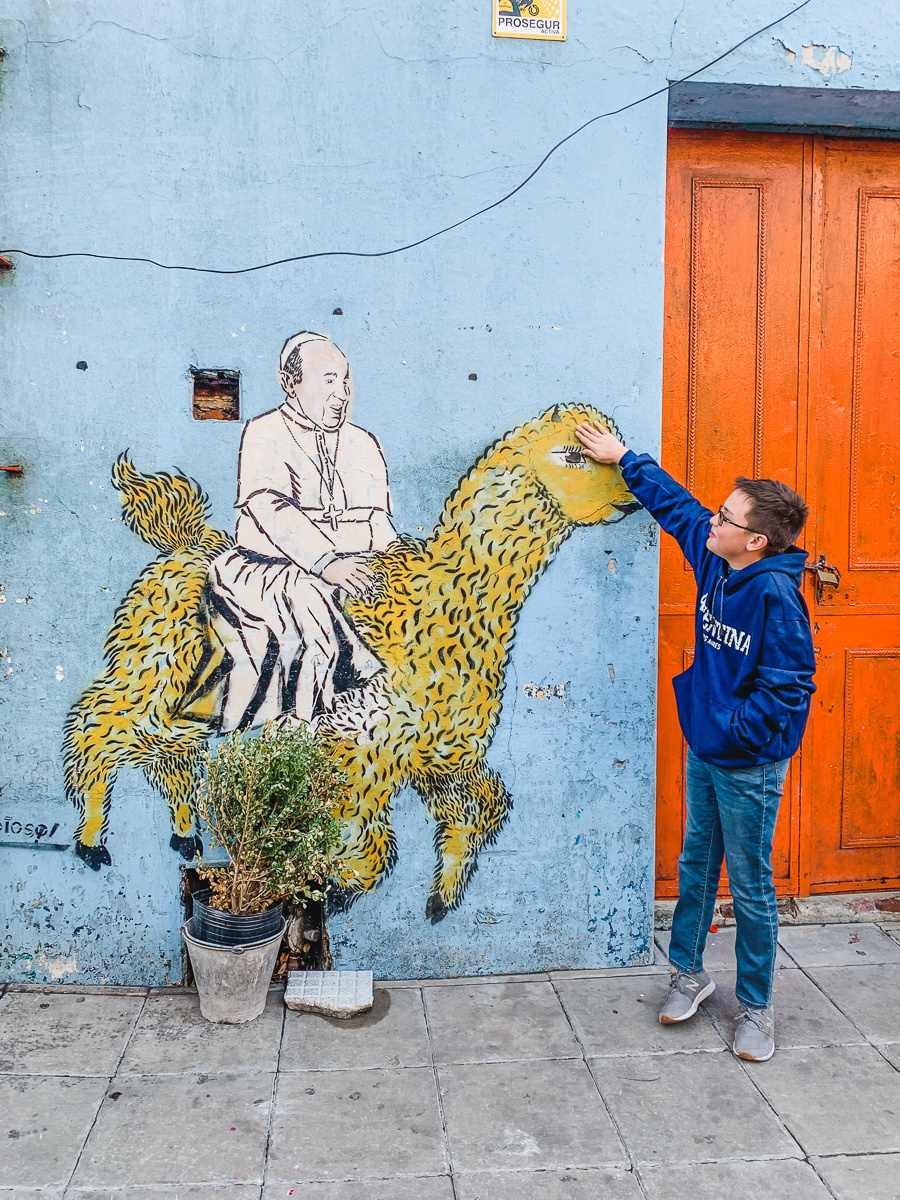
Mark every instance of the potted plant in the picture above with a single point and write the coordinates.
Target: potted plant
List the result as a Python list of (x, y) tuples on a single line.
[(269, 802)]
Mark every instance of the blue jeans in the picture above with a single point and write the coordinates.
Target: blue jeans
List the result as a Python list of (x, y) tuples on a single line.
[(730, 813)]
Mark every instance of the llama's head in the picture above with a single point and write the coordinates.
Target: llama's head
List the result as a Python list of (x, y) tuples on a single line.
[(587, 492)]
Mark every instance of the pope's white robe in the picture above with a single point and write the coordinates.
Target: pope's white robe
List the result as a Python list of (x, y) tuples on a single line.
[(304, 498)]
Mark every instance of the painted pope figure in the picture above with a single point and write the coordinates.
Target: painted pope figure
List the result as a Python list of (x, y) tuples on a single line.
[(313, 505)]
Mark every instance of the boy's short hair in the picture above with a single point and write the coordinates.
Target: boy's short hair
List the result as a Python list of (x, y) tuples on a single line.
[(775, 510)]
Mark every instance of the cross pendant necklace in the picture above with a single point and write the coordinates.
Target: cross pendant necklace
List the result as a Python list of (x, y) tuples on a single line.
[(329, 468)]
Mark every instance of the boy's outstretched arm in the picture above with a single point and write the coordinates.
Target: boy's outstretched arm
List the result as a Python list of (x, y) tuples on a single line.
[(677, 511)]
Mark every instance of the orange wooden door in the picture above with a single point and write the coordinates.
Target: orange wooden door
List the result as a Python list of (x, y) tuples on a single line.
[(732, 399), (852, 764), (782, 359)]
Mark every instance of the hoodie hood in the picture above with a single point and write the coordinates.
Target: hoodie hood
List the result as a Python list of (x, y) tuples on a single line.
[(791, 563)]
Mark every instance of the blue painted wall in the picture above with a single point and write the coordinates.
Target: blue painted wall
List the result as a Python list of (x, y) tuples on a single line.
[(227, 135)]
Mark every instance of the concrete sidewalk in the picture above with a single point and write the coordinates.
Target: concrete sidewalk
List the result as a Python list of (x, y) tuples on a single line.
[(548, 1086)]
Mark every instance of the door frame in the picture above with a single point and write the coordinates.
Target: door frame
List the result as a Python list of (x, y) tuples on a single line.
[(815, 113)]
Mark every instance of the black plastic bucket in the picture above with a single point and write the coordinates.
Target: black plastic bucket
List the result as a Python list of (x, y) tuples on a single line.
[(219, 928)]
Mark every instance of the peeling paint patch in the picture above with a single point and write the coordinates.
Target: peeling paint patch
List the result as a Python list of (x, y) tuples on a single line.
[(545, 691), (59, 673), (56, 968), (827, 60)]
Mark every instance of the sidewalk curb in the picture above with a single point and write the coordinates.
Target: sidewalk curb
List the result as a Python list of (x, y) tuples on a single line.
[(882, 908)]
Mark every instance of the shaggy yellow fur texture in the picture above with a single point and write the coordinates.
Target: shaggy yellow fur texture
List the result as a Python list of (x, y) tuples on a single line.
[(442, 622)]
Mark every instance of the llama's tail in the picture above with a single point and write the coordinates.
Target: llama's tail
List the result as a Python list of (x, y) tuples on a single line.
[(168, 511)]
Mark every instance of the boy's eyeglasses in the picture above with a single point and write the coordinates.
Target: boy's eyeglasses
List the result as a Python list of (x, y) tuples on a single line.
[(722, 519)]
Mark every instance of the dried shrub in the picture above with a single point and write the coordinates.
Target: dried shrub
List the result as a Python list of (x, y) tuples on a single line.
[(269, 801)]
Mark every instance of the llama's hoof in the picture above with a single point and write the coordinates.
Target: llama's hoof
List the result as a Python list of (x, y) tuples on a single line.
[(340, 899), (435, 908), (95, 856), (188, 847)]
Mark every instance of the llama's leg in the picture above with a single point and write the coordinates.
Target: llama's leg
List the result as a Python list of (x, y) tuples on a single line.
[(470, 808), (91, 758), (369, 850), (177, 776)]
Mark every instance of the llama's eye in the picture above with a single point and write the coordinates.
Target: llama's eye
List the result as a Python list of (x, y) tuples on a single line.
[(573, 458)]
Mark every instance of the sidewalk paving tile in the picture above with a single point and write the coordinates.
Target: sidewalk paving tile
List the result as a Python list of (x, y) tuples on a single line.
[(601, 1183), (834, 1099), (392, 1034), (775, 1179), (46, 1034), (868, 995), (179, 1129), (803, 1016), (350, 1124), (838, 945), (689, 1107), (863, 1177), (891, 1052), (621, 1016), (175, 1191), (399, 1187), (30, 1194), (45, 1120), (719, 952), (172, 1036), (542, 1113), (498, 1023)]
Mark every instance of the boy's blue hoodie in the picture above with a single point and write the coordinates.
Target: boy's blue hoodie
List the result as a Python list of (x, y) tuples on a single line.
[(745, 699)]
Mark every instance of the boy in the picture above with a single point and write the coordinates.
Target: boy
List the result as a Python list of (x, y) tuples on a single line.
[(743, 707)]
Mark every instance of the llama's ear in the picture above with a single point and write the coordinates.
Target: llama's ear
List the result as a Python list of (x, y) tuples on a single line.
[(554, 414)]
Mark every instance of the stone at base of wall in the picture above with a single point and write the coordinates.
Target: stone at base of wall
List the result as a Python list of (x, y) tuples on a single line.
[(883, 907)]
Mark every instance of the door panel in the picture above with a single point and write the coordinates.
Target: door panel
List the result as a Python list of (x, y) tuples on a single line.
[(855, 760), (731, 391)]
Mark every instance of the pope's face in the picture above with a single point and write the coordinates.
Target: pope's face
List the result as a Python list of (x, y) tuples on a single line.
[(324, 391)]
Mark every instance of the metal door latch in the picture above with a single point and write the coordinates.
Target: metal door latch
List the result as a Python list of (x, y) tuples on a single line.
[(826, 575)]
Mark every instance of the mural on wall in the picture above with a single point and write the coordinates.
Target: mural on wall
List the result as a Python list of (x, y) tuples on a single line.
[(394, 649)]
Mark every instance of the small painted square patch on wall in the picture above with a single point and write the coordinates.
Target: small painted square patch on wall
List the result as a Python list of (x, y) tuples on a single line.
[(541, 19)]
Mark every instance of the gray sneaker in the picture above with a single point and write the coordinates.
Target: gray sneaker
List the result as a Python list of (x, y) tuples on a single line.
[(754, 1034), (686, 993)]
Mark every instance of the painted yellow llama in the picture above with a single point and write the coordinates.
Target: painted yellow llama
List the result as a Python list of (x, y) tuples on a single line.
[(442, 623)]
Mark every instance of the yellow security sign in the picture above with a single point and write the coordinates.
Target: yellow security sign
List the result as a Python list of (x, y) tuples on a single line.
[(543, 19)]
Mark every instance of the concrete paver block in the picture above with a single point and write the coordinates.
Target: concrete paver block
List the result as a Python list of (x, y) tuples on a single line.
[(891, 1053), (862, 1177), (543, 1113), (838, 945), (689, 1107), (392, 1034), (600, 1183), (179, 1129), (353, 1124), (719, 952), (172, 1036), (620, 1016), (333, 993), (44, 1121), (175, 1191), (803, 1015), (776, 1179), (398, 1187), (868, 995), (488, 1022), (46, 1034), (834, 1099)]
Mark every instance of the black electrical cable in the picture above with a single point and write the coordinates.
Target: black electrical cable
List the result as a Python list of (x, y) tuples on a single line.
[(440, 232)]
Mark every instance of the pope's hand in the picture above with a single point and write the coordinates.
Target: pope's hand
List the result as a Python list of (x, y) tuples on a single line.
[(352, 573), (599, 444)]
